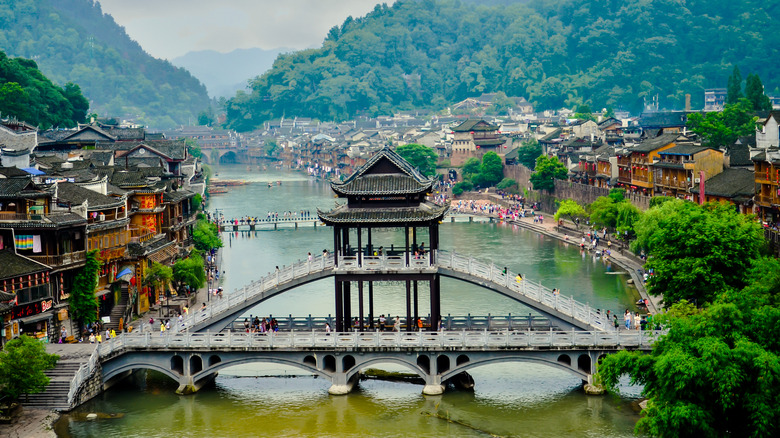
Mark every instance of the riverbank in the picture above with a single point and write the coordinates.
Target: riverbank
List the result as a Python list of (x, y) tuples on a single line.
[(31, 423)]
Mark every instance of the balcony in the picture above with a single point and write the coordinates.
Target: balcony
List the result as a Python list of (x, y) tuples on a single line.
[(60, 260), (672, 183), (12, 216), (766, 200), (141, 235)]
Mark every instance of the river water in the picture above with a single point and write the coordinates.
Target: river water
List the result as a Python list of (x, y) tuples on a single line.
[(510, 399)]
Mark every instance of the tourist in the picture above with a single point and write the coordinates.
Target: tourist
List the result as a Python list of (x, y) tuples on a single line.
[(91, 338), (63, 334), (627, 318), (327, 328), (397, 324), (382, 321), (309, 257), (203, 307)]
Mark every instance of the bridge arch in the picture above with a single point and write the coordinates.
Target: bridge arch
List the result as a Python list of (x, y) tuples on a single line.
[(107, 376), (226, 363), (389, 359), (478, 362)]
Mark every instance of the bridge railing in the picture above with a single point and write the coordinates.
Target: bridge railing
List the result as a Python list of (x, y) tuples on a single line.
[(445, 339), (457, 262), (84, 372), (535, 291)]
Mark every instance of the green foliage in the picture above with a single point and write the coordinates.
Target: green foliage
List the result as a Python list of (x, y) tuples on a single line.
[(470, 167), (430, 54), (28, 95), (492, 169), (22, 365), (734, 89), (158, 273), (617, 194), (506, 183), (571, 210), (655, 201), (206, 236), (696, 251), (193, 148), (271, 147), (718, 129), (419, 156), (83, 302), (197, 202), (548, 169), (603, 212), (716, 371), (584, 112), (72, 40), (528, 153), (206, 117), (754, 92), (627, 216), (463, 186), (190, 271)]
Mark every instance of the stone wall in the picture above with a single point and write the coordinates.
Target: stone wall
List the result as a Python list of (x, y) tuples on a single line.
[(90, 388)]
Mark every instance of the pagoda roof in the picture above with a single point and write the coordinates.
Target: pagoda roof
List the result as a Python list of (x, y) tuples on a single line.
[(423, 213), (384, 173)]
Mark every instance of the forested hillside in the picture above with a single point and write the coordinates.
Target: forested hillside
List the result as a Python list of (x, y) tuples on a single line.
[(73, 41), (431, 53), (28, 95)]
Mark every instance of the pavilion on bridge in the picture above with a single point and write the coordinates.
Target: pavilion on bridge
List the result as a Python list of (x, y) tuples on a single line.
[(386, 192)]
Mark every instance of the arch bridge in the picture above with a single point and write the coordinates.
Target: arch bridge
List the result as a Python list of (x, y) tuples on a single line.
[(193, 359), (564, 312)]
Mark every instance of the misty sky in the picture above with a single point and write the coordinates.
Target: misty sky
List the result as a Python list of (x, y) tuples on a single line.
[(170, 28)]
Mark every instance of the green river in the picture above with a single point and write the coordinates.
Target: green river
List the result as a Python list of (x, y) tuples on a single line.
[(509, 399)]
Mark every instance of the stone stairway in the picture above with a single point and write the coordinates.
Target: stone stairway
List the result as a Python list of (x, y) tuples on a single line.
[(55, 396), (119, 310)]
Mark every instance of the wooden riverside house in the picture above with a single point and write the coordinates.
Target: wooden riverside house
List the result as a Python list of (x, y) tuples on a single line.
[(385, 193)]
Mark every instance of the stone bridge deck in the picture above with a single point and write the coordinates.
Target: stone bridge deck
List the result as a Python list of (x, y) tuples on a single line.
[(564, 312), (192, 359)]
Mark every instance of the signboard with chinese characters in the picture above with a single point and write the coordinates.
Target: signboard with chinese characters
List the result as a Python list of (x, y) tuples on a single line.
[(31, 309)]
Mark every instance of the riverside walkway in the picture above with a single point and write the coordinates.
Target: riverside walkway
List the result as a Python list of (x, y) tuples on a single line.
[(193, 359), (564, 312)]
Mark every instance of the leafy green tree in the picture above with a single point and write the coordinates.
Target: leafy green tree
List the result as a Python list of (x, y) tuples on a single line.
[(492, 169), (197, 202), (548, 169), (193, 148), (190, 271), (506, 183), (206, 236), (617, 194), (584, 112), (754, 92), (470, 167), (696, 251), (734, 87), (603, 212), (420, 156), (722, 129), (655, 201), (83, 302), (205, 118), (610, 112), (22, 365), (528, 153), (463, 186), (271, 146), (570, 209), (627, 216), (716, 371)]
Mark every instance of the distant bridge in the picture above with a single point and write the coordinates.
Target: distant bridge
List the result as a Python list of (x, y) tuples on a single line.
[(295, 221), (564, 312), (193, 359)]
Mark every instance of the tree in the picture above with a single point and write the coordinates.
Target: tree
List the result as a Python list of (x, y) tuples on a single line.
[(734, 88), (528, 153), (696, 251), (193, 148), (492, 169), (22, 365), (206, 236), (627, 216), (420, 156), (754, 92), (506, 183), (722, 129), (83, 302), (463, 186), (584, 112), (548, 169), (603, 212), (470, 167), (716, 371), (617, 194), (205, 118), (190, 271), (570, 209)]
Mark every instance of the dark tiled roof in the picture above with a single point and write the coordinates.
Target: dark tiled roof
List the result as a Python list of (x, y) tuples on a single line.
[(124, 179), (490, 142), (739, 154), (15, 265), (475, 125), (77, 195), (668, 165), (652, 144), (663, 120), (13, 172), (730, 183), (685, 149), (424, 213), (177, 196), (126, 133), (173, 149), (18, 188), (396, 168), (382, 185), (553, 135)]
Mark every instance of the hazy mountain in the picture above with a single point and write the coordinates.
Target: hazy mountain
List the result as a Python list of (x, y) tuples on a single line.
[(225, 73)]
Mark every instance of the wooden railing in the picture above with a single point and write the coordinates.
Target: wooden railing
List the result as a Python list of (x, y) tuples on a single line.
[(60, 260)]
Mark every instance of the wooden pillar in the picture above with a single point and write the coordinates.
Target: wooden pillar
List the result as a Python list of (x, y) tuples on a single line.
[(435, 302), (416, 312), (408, 306), (339, 308), (371, 302), (360, 246), (347, 306), (336, 246), (433, 232), (370, 246), (406, 247), (345, 241), (360, 304), (414, 239)]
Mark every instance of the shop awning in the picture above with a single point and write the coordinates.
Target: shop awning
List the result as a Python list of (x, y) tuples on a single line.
[(36, 318), (102, 292)]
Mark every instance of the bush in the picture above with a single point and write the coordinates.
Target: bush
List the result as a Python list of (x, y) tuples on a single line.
[(463, 186), (506, 183)]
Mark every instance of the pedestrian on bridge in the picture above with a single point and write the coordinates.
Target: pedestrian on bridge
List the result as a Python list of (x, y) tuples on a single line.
[(397, 324)]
